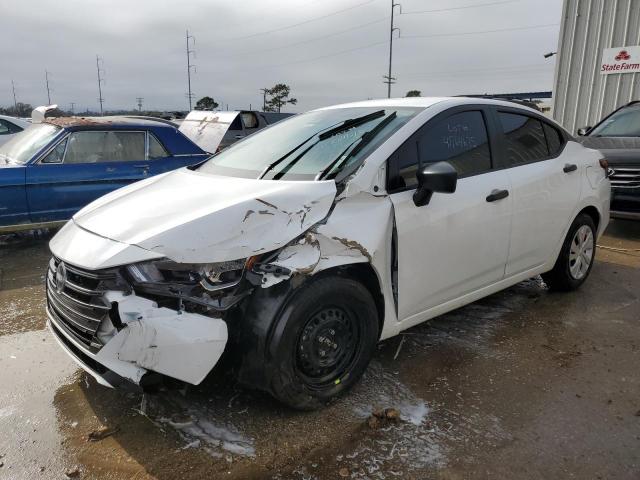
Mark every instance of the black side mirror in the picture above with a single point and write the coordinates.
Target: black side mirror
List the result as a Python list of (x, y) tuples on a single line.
[(583, 131), (438, 177)]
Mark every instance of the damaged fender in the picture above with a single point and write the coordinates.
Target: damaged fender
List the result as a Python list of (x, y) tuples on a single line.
[(181, 345)]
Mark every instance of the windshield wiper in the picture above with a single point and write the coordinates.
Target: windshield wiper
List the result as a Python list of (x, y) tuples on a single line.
[(364, 141), (322, 135)]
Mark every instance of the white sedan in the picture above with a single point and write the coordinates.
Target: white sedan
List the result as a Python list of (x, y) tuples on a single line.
[(9, 126), (300, 247)]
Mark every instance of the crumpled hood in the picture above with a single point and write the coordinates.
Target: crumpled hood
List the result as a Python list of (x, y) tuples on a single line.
[(193, 217)]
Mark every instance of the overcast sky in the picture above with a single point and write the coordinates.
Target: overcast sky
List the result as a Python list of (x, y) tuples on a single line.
[(328, 51)]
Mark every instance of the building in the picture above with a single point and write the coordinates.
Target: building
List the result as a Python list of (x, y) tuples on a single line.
[(598, 62)]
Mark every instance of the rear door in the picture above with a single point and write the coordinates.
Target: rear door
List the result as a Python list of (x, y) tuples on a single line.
[(545, 187), (459, 242), (82, 167)]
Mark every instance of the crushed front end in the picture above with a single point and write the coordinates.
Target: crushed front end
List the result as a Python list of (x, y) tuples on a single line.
[(133, 322)]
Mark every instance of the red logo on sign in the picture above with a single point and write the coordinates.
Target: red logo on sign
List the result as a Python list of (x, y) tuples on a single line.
[(623, 55)]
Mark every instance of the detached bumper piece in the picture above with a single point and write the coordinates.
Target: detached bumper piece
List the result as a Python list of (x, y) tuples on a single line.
[(146, 340)]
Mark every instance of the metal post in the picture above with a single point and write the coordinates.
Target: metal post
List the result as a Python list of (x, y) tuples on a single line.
[(189, 67), (15, 102), (389, 80), (139, 100), (73, 104), (100, 80), (46, 78)]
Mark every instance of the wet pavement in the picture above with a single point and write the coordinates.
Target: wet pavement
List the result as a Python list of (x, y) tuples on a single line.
[(523, 384)]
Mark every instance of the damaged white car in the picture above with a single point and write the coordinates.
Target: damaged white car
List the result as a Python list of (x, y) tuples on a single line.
[(300, 247)]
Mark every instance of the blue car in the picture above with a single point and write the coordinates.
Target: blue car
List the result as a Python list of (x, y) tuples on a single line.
[(52, 169)]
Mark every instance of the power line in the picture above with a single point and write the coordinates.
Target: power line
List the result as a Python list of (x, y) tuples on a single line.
[(303, 42), (481, 31), (438, 10), (327, 56), (280, 29)]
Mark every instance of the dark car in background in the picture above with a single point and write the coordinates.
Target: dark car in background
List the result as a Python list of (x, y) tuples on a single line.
[(52, 169), (617, 136)]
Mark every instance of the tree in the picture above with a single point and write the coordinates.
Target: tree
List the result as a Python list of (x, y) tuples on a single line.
[(414, 93), (22, 110), (279, 97), (206, 103)]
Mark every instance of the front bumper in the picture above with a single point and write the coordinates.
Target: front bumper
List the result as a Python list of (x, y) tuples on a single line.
[(625, 203), (153, 340)]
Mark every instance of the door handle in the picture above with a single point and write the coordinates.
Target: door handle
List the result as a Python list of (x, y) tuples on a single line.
[(111, 169), (569, 167), (239, 137), (496, 195)]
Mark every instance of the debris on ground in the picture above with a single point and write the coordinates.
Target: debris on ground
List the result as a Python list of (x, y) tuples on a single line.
[(382, 417), (101, 433), (73, 472)]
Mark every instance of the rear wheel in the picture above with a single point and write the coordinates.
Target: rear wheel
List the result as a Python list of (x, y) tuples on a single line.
[(328, 333), (576, 256)]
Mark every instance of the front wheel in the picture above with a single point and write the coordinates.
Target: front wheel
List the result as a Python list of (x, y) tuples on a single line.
[(328, 333), (576, 256)]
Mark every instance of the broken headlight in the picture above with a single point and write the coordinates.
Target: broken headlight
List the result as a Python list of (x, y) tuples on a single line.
[(211, 276)]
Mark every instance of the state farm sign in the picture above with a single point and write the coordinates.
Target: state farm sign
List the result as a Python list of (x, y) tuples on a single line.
[(620, 60)]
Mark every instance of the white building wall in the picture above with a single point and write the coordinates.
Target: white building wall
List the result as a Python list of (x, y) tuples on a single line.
[(581, 94)]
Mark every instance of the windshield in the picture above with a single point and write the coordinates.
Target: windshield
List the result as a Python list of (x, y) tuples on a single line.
[(27, 143), (311, 145), (623, 123)]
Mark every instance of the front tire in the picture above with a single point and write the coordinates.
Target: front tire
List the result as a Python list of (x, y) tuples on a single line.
[(325, 337), (576, 256)]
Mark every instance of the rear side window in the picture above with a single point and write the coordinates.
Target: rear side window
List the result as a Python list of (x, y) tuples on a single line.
[(156, 150), (97, 147), (554, 139), (524, 138)]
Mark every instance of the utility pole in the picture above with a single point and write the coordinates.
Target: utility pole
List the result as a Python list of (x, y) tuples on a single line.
[(100, 82), (190, 66), (46, 79), (73, 108), (15, 102), (389, 80), (139, 100), (264, 98)]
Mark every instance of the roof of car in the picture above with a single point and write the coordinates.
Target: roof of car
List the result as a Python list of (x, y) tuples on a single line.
[(114, 121), (427, 102)]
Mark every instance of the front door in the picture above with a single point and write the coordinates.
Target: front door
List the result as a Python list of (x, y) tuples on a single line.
[(459, 242), (83, 166)]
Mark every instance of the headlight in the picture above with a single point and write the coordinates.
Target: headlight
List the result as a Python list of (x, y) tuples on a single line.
[(210, 275)]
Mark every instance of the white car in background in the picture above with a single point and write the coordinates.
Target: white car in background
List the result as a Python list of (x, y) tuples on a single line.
[(9, 126), (302, 246)]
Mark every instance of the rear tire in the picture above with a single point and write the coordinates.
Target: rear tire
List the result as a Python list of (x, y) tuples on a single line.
[(576, 256), (324, 340)]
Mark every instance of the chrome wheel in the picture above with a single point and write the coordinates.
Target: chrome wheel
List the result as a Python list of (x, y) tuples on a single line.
[(581, 252)]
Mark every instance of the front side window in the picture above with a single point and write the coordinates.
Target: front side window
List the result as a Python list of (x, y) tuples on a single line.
[(4, 127), (524, 138), (113, 146), (24, 145), (57, 154), (460, 139), (314, 145)]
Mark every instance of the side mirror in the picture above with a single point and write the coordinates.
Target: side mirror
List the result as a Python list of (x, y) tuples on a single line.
[(583, 131), (438, 177)]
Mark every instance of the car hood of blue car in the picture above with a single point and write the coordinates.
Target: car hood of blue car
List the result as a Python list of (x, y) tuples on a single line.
[(193, 217)]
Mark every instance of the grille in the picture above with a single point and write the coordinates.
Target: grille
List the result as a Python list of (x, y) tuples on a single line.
[(79, 306), (626, 177)]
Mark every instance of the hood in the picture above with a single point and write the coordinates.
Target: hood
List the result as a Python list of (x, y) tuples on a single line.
[(206, 129), (192, 217), (617, 150)]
